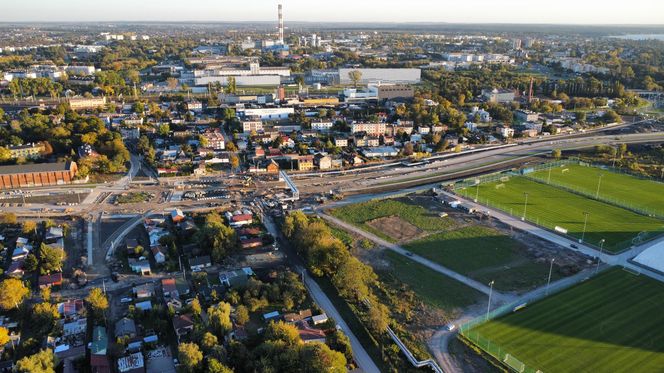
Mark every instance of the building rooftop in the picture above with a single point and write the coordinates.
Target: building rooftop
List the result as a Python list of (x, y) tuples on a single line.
[(35, 168)]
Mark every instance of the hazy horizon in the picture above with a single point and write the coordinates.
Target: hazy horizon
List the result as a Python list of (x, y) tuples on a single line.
[(564, 12)]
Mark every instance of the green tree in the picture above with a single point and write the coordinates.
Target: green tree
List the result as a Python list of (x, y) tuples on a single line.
[(4, 336), (208, 341), (231, 85), (556, 153), (355, 76), (29, 227), (219, 317), (12, 293), (214, 366), (353, 278), (196, 307), (51, 259), (190, 356), (30, 264), (235, 161), (9, 218), (339, 341), (241, 314), (5, 154), (41, 362), (318, 357), (97, 301), (280, 331), (164, 129)]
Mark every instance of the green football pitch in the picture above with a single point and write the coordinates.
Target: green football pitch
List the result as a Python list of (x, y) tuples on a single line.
[(552, 207), (621, 189), (611, 323)]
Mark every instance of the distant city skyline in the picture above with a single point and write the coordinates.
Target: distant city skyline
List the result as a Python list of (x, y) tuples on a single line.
[(470, 11)]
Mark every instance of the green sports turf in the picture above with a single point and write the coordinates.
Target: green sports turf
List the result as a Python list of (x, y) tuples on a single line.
[(484, 254), (622, 189), (549, 206), (611, 323)]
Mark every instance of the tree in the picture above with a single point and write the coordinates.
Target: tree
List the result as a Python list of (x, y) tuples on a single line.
[(51, 259), (190, 356), (5, 154), (9, 218), (196, 307), (217, 236), (97, 301), (457, 148), (408, 149), (235, 161), (280, 331), (41, 362), (12, 293), (377, 318), (219, 317), (30, 264), (339, 341), (231, 85), (4, 336), (318, 357), (556, 153), (214, 366), (164, 129), (622, 150), (355, 76), (208, 341), (29, 227), (241, 314), (353, 278)]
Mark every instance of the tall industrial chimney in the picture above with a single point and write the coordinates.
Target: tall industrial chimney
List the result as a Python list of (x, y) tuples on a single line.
[(281, 25)]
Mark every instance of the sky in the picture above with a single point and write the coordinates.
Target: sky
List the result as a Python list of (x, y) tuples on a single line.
[(452, 11)]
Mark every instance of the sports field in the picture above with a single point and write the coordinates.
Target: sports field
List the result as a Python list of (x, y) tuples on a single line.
[(553, 207), (622, 189), (486, 255), (611, 323)]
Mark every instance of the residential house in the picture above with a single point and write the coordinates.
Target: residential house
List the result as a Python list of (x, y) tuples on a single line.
[(168, 288), (199, 263), (215, 140), (505, 131), (177, 216), (143, 291), (141, 267), (251, 243), (340, 142), (183, 325), (319, 319), (297, 317), (159, 256), (236, 278), (99, 362), (309, 334), (125, 328), (323, 162), (305, 163), (47, 281)]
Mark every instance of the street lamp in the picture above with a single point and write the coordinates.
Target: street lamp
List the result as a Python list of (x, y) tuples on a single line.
[(585, 224), (525, 206), (548, 282), (599, 258), (488, 306), (599, 182)]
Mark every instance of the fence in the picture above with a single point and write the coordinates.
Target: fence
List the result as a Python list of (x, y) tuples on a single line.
[(593, 194)]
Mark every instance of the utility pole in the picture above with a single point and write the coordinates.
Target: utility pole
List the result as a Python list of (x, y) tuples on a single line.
[(548, 282), (525, 206), (599, 182), (585, 224), (599, 258), (488, 306)]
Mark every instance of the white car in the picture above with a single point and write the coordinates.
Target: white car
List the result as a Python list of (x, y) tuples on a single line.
[(450, 327)]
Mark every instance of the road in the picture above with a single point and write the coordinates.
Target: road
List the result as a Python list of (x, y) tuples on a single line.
[(360, 355)]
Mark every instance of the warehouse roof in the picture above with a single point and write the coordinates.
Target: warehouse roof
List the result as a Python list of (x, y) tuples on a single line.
[(34, 168)]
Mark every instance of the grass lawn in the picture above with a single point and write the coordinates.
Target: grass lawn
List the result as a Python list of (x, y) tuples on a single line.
[(434, 289), (612, 323), (484, 254), (549, 206), (361, 213), (622, 189)]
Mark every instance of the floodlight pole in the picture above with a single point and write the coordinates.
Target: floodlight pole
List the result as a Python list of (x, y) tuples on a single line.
[(585, 224), (548, 282), (525, 206), (601, 247), (548, 180), (599, 182), (488, 306), (477, 192)]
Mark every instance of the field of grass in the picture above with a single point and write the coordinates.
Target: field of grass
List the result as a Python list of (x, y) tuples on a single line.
[(549, 206), (361, 213), (621, 189), (611, 323), (434, 289), (484, 254)]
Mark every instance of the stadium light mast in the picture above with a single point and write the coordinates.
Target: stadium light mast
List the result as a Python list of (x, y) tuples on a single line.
[(548, 282), (599, 182), (488, 306), (525, 206), (601, 247), (477, 192), (585, 224)]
